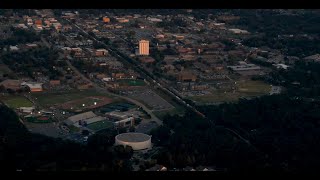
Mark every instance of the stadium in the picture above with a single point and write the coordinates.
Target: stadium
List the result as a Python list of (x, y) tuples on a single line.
[(138, 141)]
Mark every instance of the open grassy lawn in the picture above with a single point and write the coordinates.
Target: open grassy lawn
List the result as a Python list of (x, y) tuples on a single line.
[(49, 99), (97, 126), (253, 87), (131, 82), (247, 88), (16, 101)]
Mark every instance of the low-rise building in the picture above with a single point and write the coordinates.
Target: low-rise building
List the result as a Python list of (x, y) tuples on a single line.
[(239, 31), (281, 66), (11, 84), (314, 58), (33, 86), (101, 52), (84, 119), (120, 119)]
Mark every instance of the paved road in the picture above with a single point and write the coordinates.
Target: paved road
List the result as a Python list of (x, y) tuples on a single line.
[(45, 42)]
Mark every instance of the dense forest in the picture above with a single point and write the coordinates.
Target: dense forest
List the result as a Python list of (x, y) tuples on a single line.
[(22, 150), (279, 133), (28, 62), (20, 36)]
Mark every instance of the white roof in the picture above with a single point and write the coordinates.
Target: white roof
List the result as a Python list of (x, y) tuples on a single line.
[(32, 85), (82, 116), (27, 108), (117, 114), (14, 48), (104, 50), (90, 120)]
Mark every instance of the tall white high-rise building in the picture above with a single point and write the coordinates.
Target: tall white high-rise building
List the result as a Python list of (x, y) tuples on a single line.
[(144, 47)]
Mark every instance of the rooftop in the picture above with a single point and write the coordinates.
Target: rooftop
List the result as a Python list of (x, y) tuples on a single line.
[(133, 137)]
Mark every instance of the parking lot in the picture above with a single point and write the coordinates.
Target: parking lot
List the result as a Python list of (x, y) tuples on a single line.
[(146, 127), (150, 99), (48, 129)]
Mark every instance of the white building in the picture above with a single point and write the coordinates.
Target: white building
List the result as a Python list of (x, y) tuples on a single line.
[(239, 31), (281, 66), (87, 117), (14, 48), (138, 141), (33, 86)]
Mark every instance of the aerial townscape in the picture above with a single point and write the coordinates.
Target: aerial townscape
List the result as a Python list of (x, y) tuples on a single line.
[(119, 90)]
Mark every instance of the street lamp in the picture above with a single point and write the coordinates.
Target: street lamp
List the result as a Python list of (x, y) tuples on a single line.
[(95, 103), (83, 105)]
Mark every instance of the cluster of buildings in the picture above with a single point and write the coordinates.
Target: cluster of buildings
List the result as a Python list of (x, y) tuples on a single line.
[(118, 119)]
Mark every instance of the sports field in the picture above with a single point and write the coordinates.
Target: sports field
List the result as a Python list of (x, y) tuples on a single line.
[(131, 82), (97, 126), (49, 99), (86, 103), (244, 89), (16, 101)]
